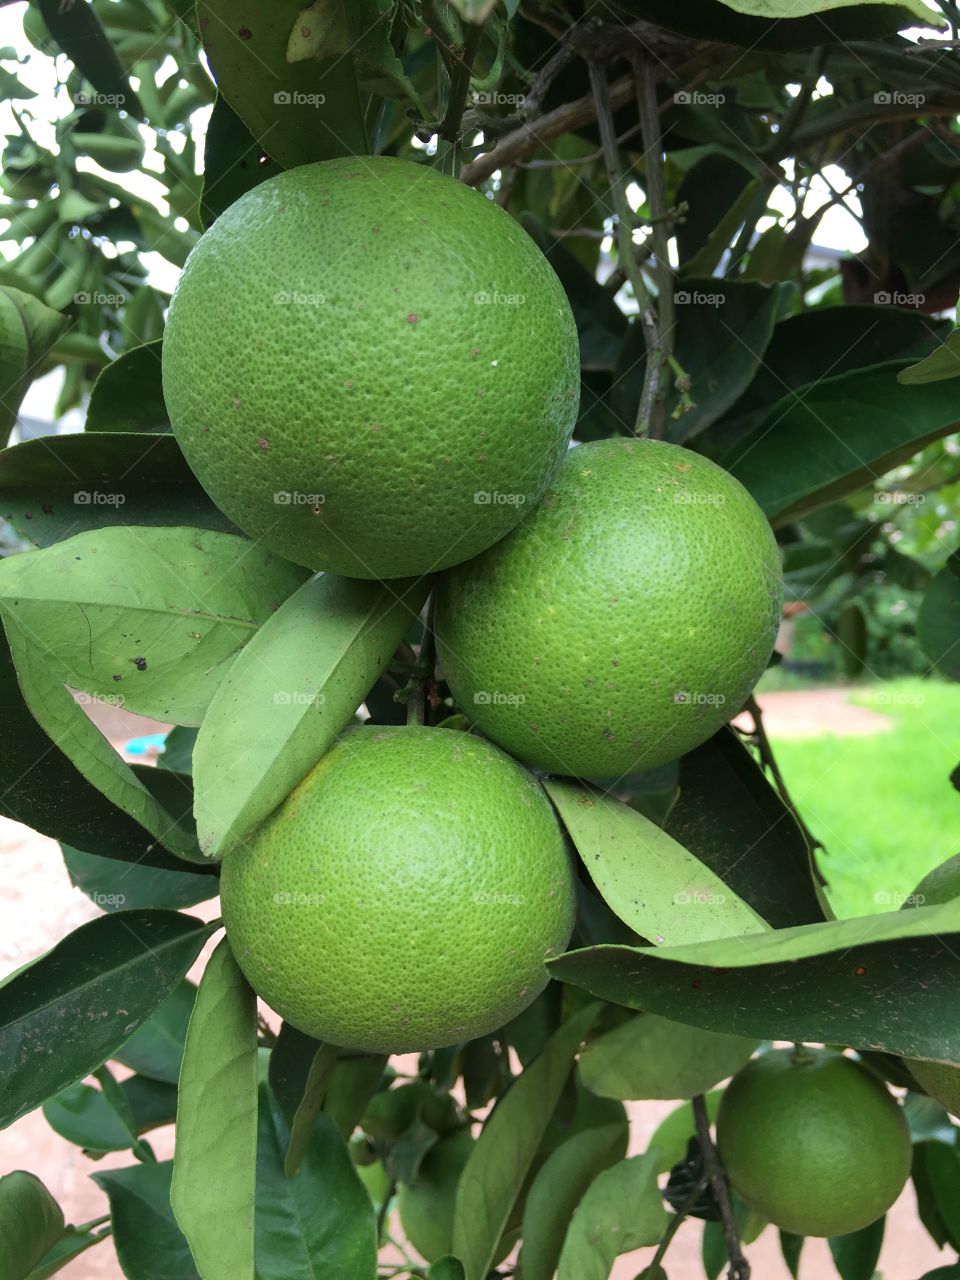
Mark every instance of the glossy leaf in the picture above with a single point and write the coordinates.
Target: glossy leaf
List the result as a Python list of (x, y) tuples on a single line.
[(557, 1190), (942, 363), (150, 1245), (233, 161), (28, 329), (314, 1092), (622, 1210), (501, 1159), (156, 1049), (299, 112), (290, 694), (127, 395), (57, 486), (938, 620), (214, 1169), (730, 817), (77, 737), (117, 886), (150, 618), (70, 1245), (775, 10), (83, 1115), (872, 982), (807, 452), (87, 995), (856, 1255), (672, 1135), (941, 1172), (448, 1268), (291, 1058), (31, 1222), (791, 1247), (177, 751), (320, 1223), (653, 884), (652, 1057), (81, 36), (354, 1081)]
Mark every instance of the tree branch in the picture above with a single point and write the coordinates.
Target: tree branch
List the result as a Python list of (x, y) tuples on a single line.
[(739, 1266)]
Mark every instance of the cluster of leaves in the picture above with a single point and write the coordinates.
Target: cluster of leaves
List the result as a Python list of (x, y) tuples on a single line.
[(703, 928)]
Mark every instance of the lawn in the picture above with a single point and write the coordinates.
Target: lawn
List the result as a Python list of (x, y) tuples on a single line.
[(882, 805)]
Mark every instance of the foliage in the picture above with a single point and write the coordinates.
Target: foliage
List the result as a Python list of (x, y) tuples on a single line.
[(674, 163)]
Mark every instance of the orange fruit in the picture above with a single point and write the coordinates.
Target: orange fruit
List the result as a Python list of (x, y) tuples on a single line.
[(405, 895), (370, 367), (623, 621)]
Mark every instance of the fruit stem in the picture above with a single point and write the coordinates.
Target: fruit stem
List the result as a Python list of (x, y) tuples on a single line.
[(675, 1223), (739, 1266), (449, 131)]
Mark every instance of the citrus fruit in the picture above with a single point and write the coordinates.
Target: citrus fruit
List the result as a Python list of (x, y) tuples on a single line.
[(426, 1208), (813, 1141), (405, 895), (623, 621), (370, 367)]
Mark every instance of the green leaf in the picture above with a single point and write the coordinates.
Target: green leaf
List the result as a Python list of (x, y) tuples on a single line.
[(706, 260), (778, 9), (83, 1115), (557, 1190), (156, 1049), (730, 817), (652, 883), (940, 364), (31, 1222), (55, 486), (856, 1255), (448, 1268), (847, 431), (177, 753), (28, 329), (652, 1057), (233, 162), (80, 34), (115, 886), (941, 1166), (71, 730), (476, 11), (214, 1169), (148, 618), (127, 395), (501, 1159), (320, 1223), (722, 330), (70, 1245), (355, 1080), (150, 1245), (314, 1092), (291, 1058), (286, 699), (873, 982), (87, 995), (672, 1135), (621, 1211), (791, 1246), (300, 112), (938, 620)]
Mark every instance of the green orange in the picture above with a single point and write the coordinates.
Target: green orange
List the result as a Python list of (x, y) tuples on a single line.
[(405, 895), (813, 1141), (623, 621), (370, 367)]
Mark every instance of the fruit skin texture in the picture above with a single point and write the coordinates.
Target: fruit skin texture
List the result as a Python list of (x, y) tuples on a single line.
[(624, 621), (814, 1143), (329, 337), (405, 895)]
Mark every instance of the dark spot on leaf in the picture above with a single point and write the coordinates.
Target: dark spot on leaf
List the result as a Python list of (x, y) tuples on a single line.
[(47, 509), (245, 33), (696, 984), (859, 971), (118, 678), (140, 663)]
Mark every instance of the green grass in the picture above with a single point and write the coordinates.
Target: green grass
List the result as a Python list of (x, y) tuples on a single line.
[(882, 804)]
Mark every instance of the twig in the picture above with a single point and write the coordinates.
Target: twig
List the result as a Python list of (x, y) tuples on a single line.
[(385, 1206), (739, 1266), (769, 760), (449, 130), (798, 107), (653, 398), (676, 1222)]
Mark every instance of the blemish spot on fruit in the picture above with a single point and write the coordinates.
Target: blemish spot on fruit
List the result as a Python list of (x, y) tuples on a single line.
[(535, 728), (614, 662), (376, 426), (140, 663), (412, 318), (263, 444), (474, 352), (236, 404), (348, 384)]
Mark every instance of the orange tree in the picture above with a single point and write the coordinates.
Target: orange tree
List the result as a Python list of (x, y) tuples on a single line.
[(492, 812)]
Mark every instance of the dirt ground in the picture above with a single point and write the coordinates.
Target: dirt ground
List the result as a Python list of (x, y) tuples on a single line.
[(38, 906)]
